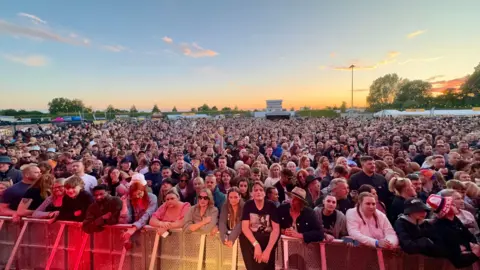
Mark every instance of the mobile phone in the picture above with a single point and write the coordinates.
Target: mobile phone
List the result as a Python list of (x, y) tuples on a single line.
[(347, 240), (165, 234)]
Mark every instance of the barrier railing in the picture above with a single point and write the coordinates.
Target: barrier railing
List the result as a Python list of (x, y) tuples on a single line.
[(40, 244)]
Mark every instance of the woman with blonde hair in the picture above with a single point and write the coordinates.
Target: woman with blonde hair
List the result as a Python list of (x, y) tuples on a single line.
[(274, 175), (304, 162), (203, 216), (369, 226), (51, 205), (323, 168), (403, 190)]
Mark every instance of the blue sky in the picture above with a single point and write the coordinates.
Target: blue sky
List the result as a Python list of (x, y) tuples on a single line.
[(227, 53)]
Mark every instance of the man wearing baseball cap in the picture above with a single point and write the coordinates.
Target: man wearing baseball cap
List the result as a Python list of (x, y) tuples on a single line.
[(416, 236), (454, 238), (8, 172)]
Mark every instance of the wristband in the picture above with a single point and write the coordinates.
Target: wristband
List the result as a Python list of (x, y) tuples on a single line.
[(255, 243), (376, 243)]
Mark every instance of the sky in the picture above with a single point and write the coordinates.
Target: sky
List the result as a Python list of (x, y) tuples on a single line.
[(228, 52)]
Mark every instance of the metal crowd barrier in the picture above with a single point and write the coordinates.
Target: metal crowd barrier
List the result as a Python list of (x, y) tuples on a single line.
[(40, 244)]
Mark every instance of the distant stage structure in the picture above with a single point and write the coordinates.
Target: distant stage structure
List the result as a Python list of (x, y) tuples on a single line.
[(274, 110)]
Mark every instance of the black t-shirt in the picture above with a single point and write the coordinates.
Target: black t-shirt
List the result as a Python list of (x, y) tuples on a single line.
[(260, 220), (329, 222), (34, 194)]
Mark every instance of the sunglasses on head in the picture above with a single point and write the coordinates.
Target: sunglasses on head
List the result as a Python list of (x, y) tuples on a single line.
[(206, 198)]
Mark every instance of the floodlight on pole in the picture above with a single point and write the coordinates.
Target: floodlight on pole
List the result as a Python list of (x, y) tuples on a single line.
[(352, 66)]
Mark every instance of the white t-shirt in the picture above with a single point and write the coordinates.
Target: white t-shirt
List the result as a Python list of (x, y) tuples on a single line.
[(90, 182)]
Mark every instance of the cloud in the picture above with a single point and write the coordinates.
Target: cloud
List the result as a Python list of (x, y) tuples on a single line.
[(416, 33), (361, 90), (114, 48), (190, 49), (391, 58), (15, 30), (31, 60), (33, 18), (421, 60), (195, 51), (441, 86), (167, 40), (433, 78)]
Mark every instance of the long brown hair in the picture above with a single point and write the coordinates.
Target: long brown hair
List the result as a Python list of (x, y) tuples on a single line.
[(144, 201), (44, 183), (361, 197), (234, 218)]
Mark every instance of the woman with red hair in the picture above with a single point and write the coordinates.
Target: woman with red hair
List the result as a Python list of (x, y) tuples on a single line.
[(138, 206)]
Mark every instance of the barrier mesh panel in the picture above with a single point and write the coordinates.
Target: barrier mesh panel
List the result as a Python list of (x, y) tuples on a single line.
[(8, 235), (212, 253), (301, 256), (169, 254), (340, 257)]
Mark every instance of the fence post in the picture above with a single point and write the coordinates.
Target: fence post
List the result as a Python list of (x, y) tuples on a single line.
[(15, 247), (154, 251), (234, 255), (1, 224), (122, 258), (55, 246), (323, 256), (381, 262), (80, 251), (201, 252), (285, 253)]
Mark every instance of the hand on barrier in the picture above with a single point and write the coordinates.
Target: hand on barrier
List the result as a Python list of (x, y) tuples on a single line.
[(128, 233), (53, 214), (214, 231), (384, 243), (16, 218), (292, 233), (329, 238)]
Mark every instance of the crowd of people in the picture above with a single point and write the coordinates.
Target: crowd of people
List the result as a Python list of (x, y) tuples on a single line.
[(409, 183)]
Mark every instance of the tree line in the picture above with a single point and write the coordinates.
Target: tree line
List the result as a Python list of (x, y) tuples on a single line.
[(392, 92)]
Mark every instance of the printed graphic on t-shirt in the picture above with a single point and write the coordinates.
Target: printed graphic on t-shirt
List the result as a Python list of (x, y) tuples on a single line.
[(260, 223)]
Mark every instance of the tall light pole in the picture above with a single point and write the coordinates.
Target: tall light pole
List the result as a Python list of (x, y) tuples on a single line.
[(352, 66)]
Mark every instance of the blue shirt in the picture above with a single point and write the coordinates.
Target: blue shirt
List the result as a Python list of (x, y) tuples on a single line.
[(14, 194)]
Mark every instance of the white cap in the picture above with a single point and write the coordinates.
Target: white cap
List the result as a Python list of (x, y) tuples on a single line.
[(138, 177)]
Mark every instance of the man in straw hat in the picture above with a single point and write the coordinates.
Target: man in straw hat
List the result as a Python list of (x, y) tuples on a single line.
[(297, 220)]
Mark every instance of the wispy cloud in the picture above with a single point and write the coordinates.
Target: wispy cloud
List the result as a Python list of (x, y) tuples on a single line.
[(167, 40), (436, 77), (361, 90), (391, 58), (114, 48), (33, 18), (30, 60), (15, 30), (421, 60), (195, 51), (416, 33), (190, 49), (441, 86)]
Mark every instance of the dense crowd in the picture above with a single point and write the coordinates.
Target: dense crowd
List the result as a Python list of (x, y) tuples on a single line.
[(388, 183)]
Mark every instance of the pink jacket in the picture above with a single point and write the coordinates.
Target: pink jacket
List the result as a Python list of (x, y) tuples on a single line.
[(367, 234)]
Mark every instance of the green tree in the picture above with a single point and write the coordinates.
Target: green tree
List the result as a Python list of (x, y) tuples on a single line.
[(155, 109), (226, 109), (204, 108), (292, 109), (470, 90), (236, 108), (60, 105), (174, 109), (417, 91), (383, 91), (193, 109), (133, 109), (343, 107), (110, 109), (214, 108)]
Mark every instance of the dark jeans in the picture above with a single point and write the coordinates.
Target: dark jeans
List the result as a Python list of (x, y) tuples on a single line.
[(249, 260)]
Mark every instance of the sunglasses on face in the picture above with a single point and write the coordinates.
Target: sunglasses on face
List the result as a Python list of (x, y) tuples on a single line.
[(203, 198)]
